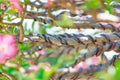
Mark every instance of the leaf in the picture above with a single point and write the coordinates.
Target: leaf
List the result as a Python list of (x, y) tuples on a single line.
[(40, 74), (109, 7), (92, 4), (20, 76), (33, 23), (26, 1), (44, 27), (9, 70), (42, 30), (11, 11), (50, 72), (117, 67), (65, 21), (108, 1), (51, 60), (24, 46), (24, 63), (14, 30), (1, 12)]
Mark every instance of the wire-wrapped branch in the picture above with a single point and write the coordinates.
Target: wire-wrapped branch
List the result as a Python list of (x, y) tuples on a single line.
[(74, 41), (35, 13), (73, 74), (98, 51), (96, 26), (77, 25), (71, 50)]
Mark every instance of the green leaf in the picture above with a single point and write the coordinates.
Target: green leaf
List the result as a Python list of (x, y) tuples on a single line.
[(24, 63), (33, 23), (26, 1), (9, 70), (51, 60), (108, 1), (92, 4), (11, 11), (42, 30), (45, 75), (40, 74), (109, 7), (14, 30), (50, 72), (117, 67), (24, 46), (20, 76), (45, 26), (25, 26), (65, 21), (1, 12)]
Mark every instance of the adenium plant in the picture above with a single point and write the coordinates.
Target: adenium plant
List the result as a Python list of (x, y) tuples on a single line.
[(24, 59)]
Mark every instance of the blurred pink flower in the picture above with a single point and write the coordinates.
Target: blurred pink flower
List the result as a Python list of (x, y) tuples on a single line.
[(42, 51), (34, 67), (47, 5), (46, 66), (8, 48), (15, 4), (2, 6), (115, 24), (95, 60), (81, 65)]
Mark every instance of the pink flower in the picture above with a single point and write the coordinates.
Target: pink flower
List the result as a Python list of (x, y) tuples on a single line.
[(8, 48), (3, 6), (95, 60), (115, 24), (15, 4), (42, 51), (34, 67), (47, 5), (92, 61), (81, 65), (46, 66)]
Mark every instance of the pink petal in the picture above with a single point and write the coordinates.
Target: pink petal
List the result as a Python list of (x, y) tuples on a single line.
[(81, 65), (12, 51), (34, 67), (95, 60), (16, 5), (42, 51), (1, 37), (47, 5), (2, 6), (14, 1), (9, 39), (85, 65), (113, 23), (3, 58)]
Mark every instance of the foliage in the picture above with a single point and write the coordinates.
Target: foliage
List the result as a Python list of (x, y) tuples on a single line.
[(20, 60), (65, 21), (113, 73)]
